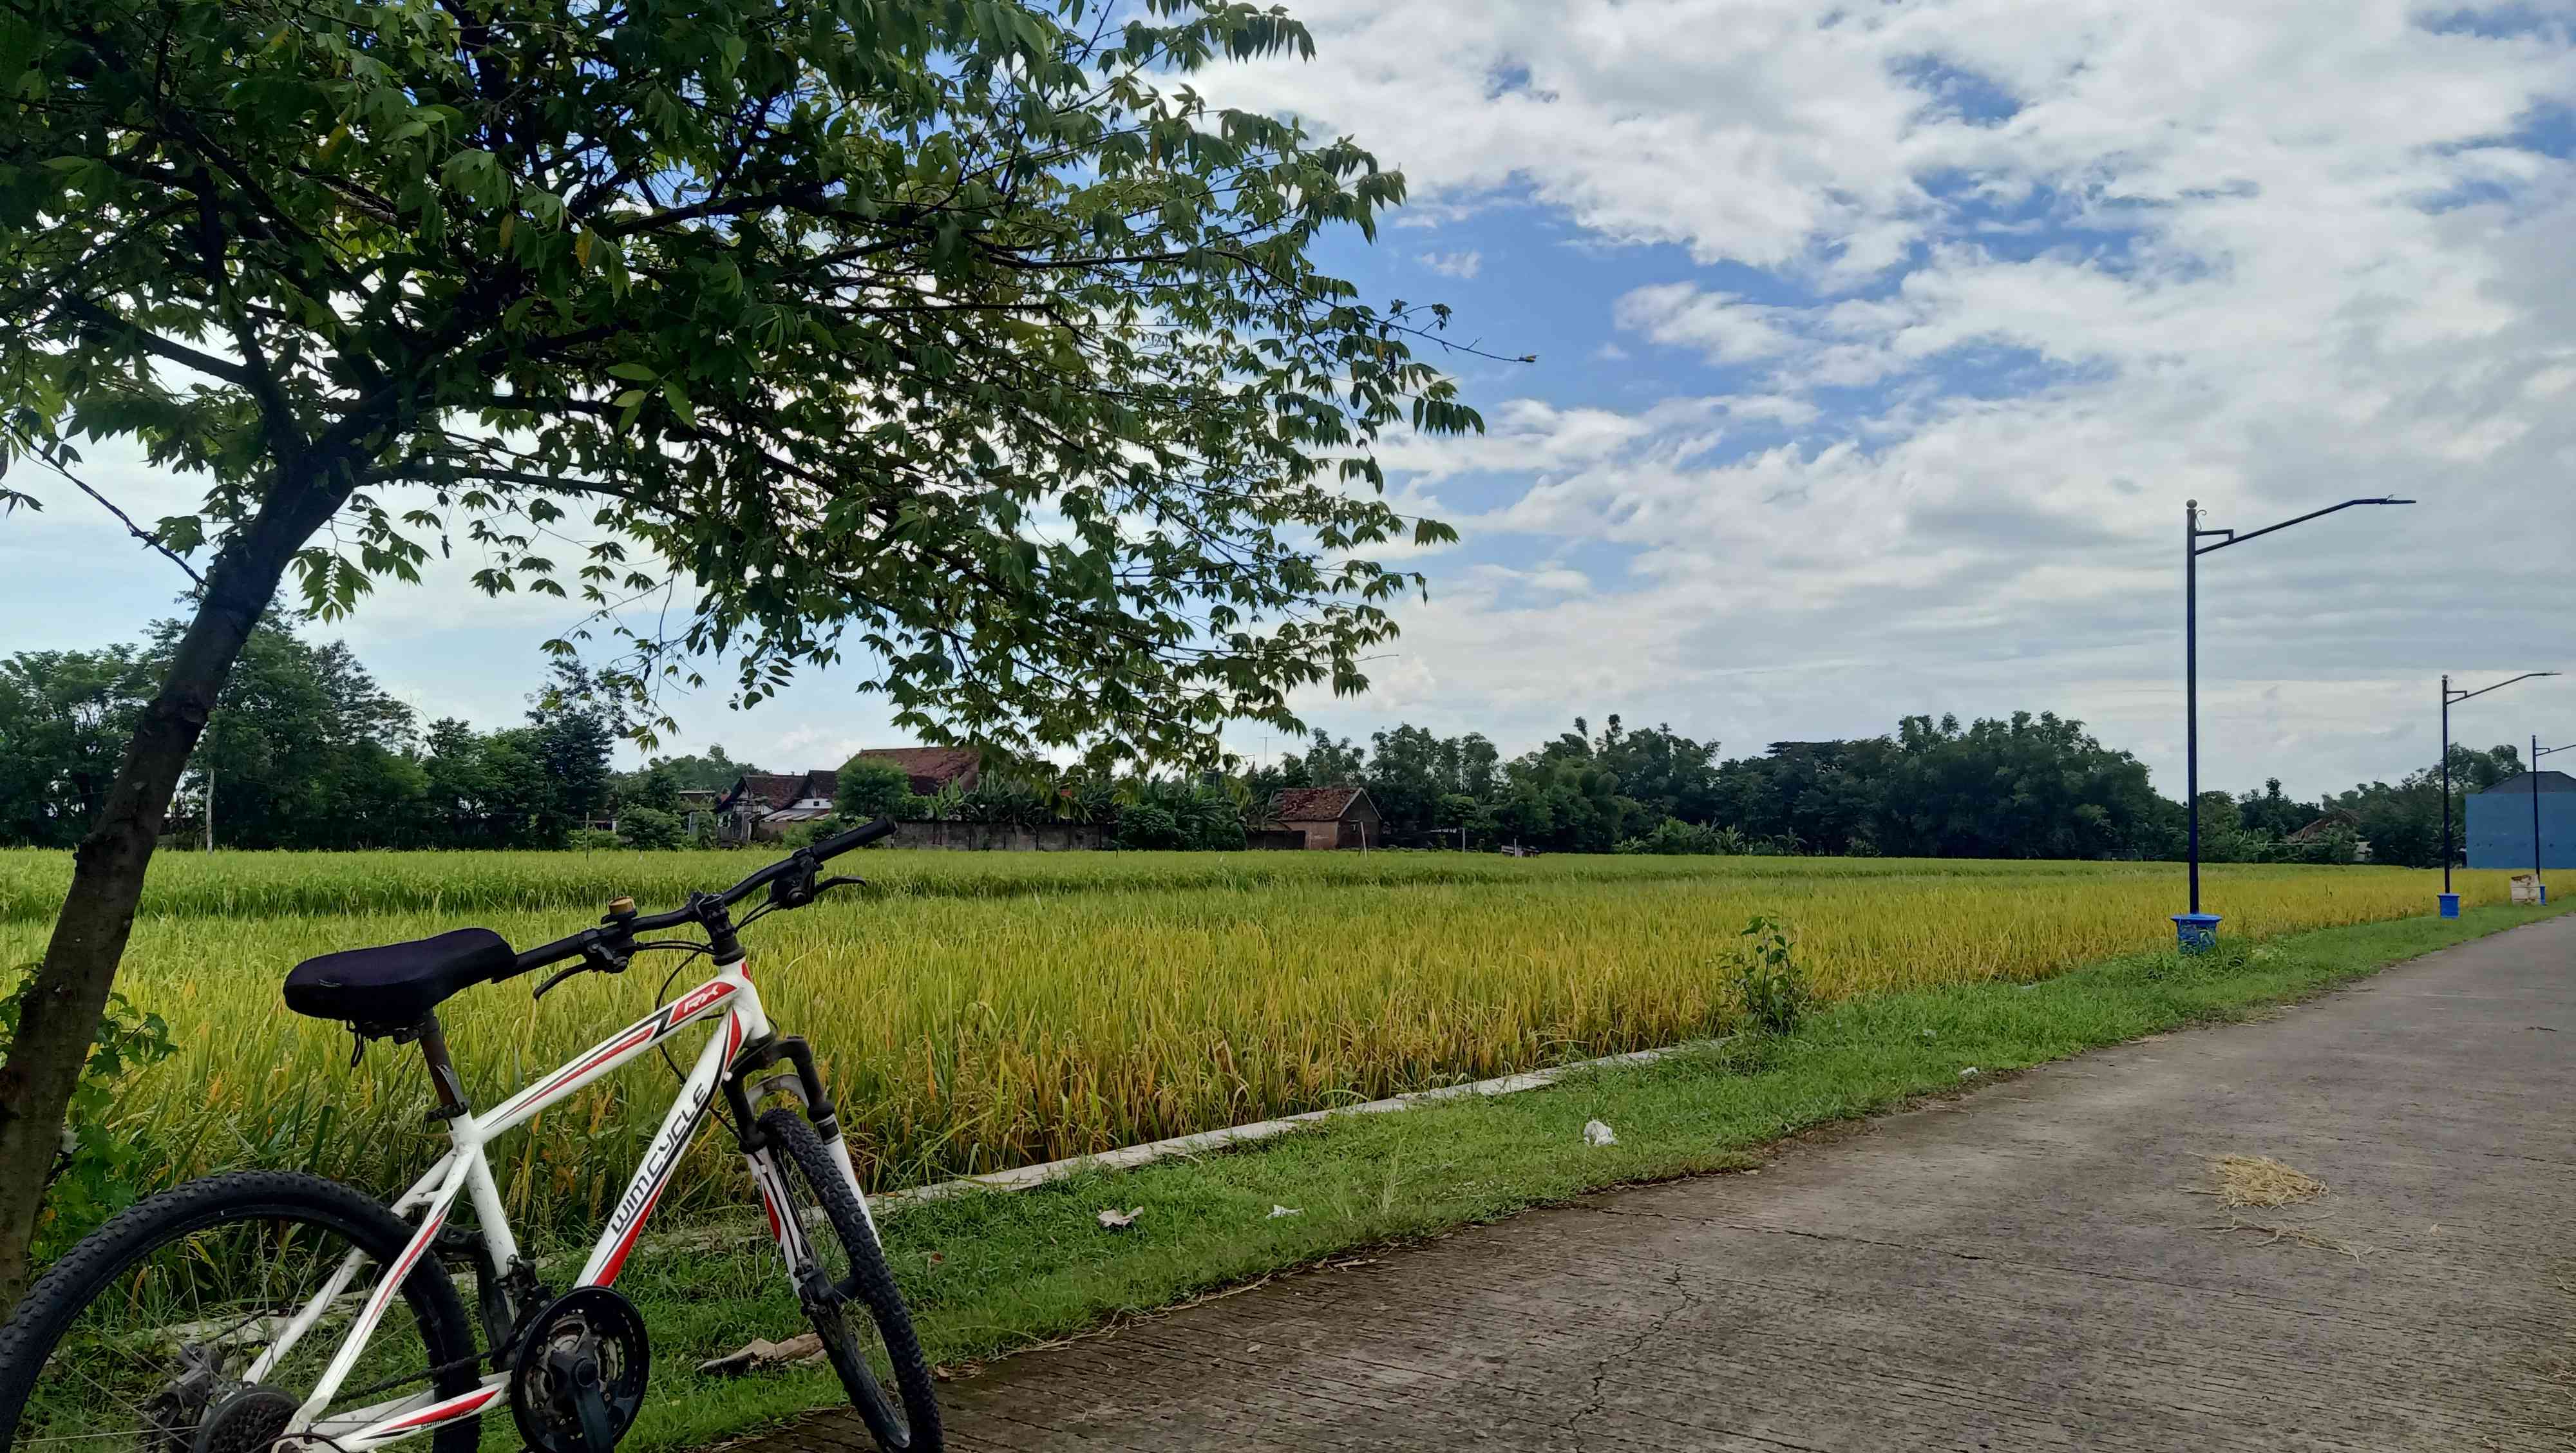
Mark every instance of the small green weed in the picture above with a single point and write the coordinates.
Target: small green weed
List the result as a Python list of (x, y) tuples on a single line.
[(1770, 987)]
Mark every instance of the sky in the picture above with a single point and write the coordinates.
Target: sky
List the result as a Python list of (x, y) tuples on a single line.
[(1878, 347)]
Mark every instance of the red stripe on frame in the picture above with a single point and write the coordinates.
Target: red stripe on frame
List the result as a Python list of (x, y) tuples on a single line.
[(607, 1052), (394, 1279), (626, 1243), (455, 1407)]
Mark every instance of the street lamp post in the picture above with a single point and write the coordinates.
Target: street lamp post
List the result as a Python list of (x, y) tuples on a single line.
[(2537, 752), (2450, 697), (2197, 930)]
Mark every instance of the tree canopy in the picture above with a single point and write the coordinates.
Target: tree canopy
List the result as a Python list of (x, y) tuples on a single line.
[(954, 339), (937, 336)]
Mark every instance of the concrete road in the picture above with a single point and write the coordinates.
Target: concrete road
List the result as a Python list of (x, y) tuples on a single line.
[(2023, 1268)]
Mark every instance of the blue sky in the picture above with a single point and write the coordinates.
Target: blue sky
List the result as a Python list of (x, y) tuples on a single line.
[(1878, 349)]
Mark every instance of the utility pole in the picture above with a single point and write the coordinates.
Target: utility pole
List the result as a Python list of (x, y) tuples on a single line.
[(2450, 900), (2198, 930), (2537, 752)]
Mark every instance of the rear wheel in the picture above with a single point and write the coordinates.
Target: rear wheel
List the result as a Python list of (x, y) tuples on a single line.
[(850, 1295), (141, 1340)]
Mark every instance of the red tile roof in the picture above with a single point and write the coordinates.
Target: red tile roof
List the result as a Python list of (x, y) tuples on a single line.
[(1314, 804)]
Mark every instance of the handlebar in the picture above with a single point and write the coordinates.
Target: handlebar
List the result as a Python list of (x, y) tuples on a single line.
[(622, 930), (857, 837)]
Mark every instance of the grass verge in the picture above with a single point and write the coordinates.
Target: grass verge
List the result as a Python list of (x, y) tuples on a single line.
[(990, 1274)]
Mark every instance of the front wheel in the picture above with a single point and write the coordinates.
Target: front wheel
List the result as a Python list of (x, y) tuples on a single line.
[(147, 1335), (848, 1291)]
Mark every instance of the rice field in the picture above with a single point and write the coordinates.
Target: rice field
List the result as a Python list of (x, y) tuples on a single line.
[(979, 1011)]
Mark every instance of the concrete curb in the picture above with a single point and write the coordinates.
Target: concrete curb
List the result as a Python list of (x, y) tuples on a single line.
[(1130, 1157)]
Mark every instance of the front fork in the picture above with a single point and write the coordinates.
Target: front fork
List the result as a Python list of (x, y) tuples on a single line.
[(807, 1088)]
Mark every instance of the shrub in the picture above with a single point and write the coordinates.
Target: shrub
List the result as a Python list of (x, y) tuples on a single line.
[(1675, 838), (1770, 987), (591, 839), (1143, 827), (651, 827), (870, 789)]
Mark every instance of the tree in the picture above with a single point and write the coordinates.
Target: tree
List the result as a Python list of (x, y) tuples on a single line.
[(712, 772), (64, 718), (2027, 787), (1328, 763), (1409, 772), (656, 788), (1820, 796), (1665, 771), (819, 304), (651, 827), (2274, 813), (304, 748), (1562, 800), (870, 789), (572, 729), (2403, 824)]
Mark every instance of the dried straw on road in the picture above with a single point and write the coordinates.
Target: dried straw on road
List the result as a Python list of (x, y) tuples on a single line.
[(2259, 1180)]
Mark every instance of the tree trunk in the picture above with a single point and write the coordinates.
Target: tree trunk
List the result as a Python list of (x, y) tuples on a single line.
[(59, 1012)]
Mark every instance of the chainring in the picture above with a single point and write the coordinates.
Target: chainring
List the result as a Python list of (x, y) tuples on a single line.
[(588, 1337)]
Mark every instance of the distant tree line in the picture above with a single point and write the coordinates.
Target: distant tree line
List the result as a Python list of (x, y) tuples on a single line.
[(303, 750), (306, 750), (2022, 787), (1142, 812)]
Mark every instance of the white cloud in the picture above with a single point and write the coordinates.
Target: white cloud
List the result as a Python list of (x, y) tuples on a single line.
[(1462, 264), (2024, 288), (1986, 298), (1727, 329)]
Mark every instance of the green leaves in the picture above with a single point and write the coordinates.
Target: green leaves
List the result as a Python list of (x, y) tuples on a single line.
[(942, 338), (107, 1154)]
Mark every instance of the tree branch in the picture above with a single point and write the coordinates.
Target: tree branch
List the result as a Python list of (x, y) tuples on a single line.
[(154, 343), (46, 456)]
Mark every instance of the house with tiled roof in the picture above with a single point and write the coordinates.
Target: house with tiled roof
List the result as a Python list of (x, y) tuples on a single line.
[(1329, 817), (763, 805)]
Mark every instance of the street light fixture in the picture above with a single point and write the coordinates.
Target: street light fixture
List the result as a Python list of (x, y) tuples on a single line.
[(2198, 930), (2537, 752), (2450, 696)]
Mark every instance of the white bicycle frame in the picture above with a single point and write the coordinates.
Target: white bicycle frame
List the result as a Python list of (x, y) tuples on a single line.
[(465, 1170)]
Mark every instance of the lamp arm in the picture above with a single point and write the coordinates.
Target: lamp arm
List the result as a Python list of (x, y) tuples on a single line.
[(2458, 696), (2237, 539)]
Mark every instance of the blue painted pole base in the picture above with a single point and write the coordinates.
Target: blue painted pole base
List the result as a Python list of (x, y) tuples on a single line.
[(2450, 905), (2195, 933)]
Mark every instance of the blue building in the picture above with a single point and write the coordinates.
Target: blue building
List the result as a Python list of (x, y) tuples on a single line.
[(2500, 823)]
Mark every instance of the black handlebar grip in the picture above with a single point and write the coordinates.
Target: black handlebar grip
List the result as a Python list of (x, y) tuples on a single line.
[(857, 837)]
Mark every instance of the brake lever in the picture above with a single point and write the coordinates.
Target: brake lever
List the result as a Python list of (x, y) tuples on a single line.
[(598, 958), (549, 985), (843, 881)]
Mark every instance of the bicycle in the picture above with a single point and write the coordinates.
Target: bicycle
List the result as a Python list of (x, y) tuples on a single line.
[(235, 1313)]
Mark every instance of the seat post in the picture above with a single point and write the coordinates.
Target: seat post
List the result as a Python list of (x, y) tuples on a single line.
[(442, 1070)]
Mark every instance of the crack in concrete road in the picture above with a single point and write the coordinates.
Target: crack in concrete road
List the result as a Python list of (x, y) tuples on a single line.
[(1618, 1357)]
